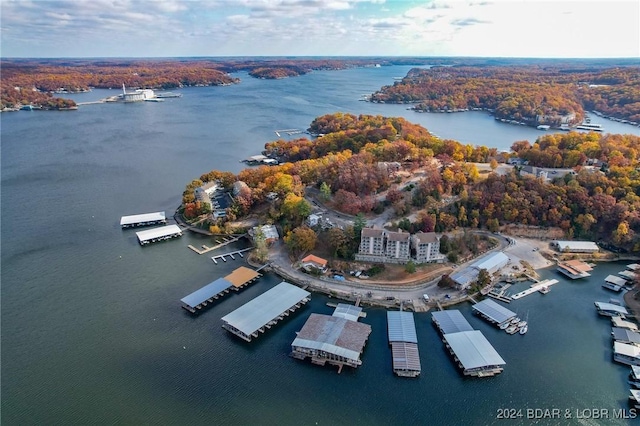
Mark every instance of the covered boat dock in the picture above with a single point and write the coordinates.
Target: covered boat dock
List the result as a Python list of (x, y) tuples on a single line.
[(451, 321), (242, 277), (474, 354), (331, 339), (234, 281), (158, 234), (493, 312), (263, 312), (610, 310), (624, 335), (403, 339), (144, 219)]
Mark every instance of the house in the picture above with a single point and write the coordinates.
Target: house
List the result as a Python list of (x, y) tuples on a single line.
[(535, 172), (239, 187), (313, 262), (313, 220), (427, 247), (269, 232), (204, 192), (398, 245)]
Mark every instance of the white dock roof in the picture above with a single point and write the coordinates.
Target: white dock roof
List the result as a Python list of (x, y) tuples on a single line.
[(162, 231), (473, 350), (451, 321), (346, 311), (401, 327), (576, 245), (256, 313), (627, 274), (494, 311), (615, 280), (142, 218), (491, 262), (626, 349), (610, 307)]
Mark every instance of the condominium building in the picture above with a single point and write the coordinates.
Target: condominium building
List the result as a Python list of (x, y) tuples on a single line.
[(398, 245), (372, 242), (427, 245), (378, 245)]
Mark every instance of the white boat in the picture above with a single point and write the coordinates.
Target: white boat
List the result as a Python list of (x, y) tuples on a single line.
[(504, 325), (515, 321), (544, 290), (524, 329), (634, 376), (522, 324), (543, 127), (634, 398), (590, 127), (512, 329)]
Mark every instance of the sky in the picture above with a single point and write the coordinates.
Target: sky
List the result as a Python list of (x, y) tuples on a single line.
[(178, 28)]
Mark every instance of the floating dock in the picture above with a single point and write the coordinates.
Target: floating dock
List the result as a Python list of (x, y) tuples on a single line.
[(627, 275), (230, 254), (493, 312), (239, 278), (158, 234), (534, 287), (338, 339), (263, 312), (575, 269), (145, 219), (207, 249), (474, 354), (610, 310), (403, 340)]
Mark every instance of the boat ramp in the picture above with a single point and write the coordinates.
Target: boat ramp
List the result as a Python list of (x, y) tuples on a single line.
[(145, 219), (263, 312), (238, 279), (403, 340), (470, 348)]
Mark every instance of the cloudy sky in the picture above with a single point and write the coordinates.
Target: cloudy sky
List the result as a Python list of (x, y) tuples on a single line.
[(164, 28)]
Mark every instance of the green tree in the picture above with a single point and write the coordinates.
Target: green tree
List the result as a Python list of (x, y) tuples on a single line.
[(325, 191), (484, 278), (410, 267), (359, 223), (262, 251)]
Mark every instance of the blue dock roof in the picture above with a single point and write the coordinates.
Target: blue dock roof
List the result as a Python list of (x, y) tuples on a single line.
[(206, 292), (451, 321)]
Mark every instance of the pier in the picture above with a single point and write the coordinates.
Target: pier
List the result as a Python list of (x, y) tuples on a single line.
[(230, 254), (534, 287), (158, 234), (288, 132), (225, 241), (145, 219)]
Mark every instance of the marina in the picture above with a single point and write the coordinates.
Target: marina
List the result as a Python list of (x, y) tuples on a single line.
[(337, 339), (158, 234), (145, 219), (238, 279), (265, 311), (401, 332)]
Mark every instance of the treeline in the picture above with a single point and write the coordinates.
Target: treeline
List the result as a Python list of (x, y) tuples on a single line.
[(535, 94)]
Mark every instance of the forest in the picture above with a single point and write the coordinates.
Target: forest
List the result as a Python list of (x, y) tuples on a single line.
[(532, 94), (361, 165)]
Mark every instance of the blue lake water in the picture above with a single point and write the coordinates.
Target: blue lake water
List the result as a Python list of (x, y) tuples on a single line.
[(92, 331)]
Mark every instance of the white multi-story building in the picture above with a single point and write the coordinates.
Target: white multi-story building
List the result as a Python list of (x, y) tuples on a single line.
[(398, 246), (372, 242), (427, 246)]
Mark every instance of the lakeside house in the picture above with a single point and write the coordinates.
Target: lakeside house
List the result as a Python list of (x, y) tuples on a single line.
[(381, 246), (313, 262)]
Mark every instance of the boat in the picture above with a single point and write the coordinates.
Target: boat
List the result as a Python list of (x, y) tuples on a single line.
[(634, 398), (512, 329), (504, 325), (524, 329), (168, 95), (611, 286), (522, 324), (590, 127), (515, 321), (544, 290), (543, 127), (634, 376)]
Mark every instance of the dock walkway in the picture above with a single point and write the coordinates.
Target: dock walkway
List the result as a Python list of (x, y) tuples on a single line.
[(534, 288), (206, 249), (230, 254)]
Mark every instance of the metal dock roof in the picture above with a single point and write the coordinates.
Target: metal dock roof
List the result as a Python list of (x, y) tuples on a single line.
[(494, 311), (258, 312), (334, 335), (401, 327), (615, 280), (349, 312), (205, 293), (628, 275), (631, 351), (241, 276), (625, 336), (142, 218), (405, 356), (491, 262), (163, 231), (451, 321), (473, 350), (610, 308)]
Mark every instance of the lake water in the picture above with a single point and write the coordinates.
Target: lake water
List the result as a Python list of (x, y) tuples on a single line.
[(92, 330)]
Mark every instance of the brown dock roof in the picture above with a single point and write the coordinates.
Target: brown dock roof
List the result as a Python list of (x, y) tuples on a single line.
[(241, 276)]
